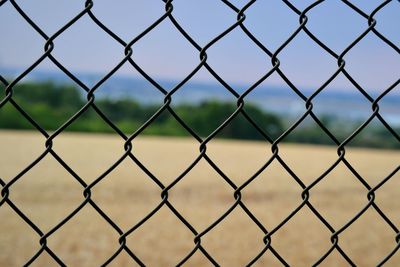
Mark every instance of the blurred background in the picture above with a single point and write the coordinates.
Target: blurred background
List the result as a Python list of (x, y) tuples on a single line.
[(129, 99)]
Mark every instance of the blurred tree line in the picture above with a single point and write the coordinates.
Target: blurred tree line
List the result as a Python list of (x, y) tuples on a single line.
[(52, 105)]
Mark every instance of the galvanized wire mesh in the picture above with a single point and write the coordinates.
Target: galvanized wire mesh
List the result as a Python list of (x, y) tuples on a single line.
[(239, 203)]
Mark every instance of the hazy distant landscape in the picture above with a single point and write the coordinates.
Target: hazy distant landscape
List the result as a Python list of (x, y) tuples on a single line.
[(51, 104), (344, 104)]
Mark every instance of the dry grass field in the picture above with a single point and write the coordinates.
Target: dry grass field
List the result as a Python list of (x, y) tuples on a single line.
[(48, 193)]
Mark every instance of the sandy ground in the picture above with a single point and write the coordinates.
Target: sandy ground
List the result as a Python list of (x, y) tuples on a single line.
[(48, 193)]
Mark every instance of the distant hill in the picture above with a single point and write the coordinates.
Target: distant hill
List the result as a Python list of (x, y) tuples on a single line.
[(339, 103)]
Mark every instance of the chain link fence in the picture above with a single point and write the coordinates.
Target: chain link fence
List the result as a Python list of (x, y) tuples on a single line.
[(198, 234)]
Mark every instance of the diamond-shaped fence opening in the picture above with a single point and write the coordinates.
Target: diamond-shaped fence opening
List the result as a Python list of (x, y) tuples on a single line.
[(292, 205)]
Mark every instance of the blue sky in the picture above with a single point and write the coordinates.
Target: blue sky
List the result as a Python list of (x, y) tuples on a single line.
[(165, 54)]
